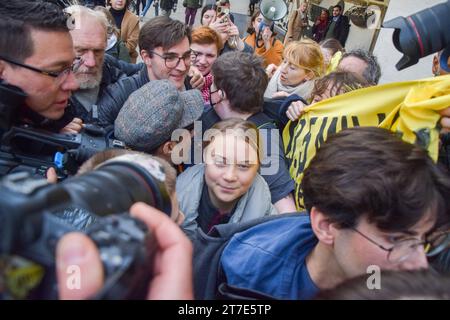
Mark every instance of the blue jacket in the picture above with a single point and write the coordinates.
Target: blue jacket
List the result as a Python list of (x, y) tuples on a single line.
[(270, 258)]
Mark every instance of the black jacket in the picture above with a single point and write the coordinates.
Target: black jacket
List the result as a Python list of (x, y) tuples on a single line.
[(113, 70), (14, 112), (19, 153), (11, 100), (341, 29), (167, 4)]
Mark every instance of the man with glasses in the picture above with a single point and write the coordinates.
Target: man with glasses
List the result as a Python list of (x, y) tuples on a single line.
[(165, 50), (36, 65), (372, 200)]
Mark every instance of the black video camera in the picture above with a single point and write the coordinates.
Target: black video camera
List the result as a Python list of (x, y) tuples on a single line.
[(421, 34), (34, 151), (30, 227)]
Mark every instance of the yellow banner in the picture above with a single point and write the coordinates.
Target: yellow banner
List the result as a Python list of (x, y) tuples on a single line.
[(408, 108)]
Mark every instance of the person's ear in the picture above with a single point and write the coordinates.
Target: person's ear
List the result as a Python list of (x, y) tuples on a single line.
[(322, 226), (223, 95), (146, 57), (435, 67), (168, 147)]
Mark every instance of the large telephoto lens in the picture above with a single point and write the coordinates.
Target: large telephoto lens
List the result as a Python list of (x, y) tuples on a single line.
[(421, 34), (117, 185)]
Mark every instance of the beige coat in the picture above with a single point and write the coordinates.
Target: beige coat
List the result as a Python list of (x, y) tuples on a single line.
[(129, 33), (298, 21)]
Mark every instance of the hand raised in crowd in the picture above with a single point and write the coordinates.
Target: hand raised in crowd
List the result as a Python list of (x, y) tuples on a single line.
[(280, 94), (233, 30), (271, 69), (172, 269), (73, 127), (266, 37), (197, 79), (220, 25), (295, 110), (445, 120)]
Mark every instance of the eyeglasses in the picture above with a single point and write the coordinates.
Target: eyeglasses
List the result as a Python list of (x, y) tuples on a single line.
[(212, 90), (402, 250), (60, 76), (439, 241), (172, 60)]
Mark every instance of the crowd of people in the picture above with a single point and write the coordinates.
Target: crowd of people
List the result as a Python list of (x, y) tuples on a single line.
[(367, 197)]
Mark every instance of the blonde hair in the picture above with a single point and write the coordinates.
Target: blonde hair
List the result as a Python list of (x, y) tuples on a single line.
[(241, 128), (305, 54)]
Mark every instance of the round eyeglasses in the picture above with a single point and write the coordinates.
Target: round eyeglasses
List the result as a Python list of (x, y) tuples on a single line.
[(172, 60), (402, 250)]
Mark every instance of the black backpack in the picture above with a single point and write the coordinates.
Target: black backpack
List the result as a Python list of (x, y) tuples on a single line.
[(209, 280)]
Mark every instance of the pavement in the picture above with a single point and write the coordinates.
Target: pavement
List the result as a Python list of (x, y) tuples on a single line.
[(239, 9)]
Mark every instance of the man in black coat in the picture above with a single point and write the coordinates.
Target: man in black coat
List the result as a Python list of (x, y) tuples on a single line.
[(338, 26)]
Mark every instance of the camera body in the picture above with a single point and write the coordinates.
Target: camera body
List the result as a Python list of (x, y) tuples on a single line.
[(421, 34), (31, 225), (35, 151)]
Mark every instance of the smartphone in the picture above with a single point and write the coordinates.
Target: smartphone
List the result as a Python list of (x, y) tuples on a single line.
[(222, 11)]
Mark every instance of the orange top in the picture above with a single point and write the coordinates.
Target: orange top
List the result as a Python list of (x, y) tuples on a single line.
[(273, 55)]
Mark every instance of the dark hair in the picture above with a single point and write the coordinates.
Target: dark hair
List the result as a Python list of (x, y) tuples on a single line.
[(341, 82), (251, 30), (324, 10), (369, 171), (163, 32), (19, 17), (244, 80), (395, 285), (338, 6), (206, 8), (372, 73), (332, 44)]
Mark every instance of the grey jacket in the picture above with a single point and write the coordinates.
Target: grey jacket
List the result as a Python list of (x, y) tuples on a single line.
[(254, 204)]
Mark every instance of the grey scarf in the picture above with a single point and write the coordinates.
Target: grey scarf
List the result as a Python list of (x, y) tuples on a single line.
[(303, 90)]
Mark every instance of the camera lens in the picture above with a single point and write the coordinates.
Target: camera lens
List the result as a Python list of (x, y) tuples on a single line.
[(421, 34), (117, 185)]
